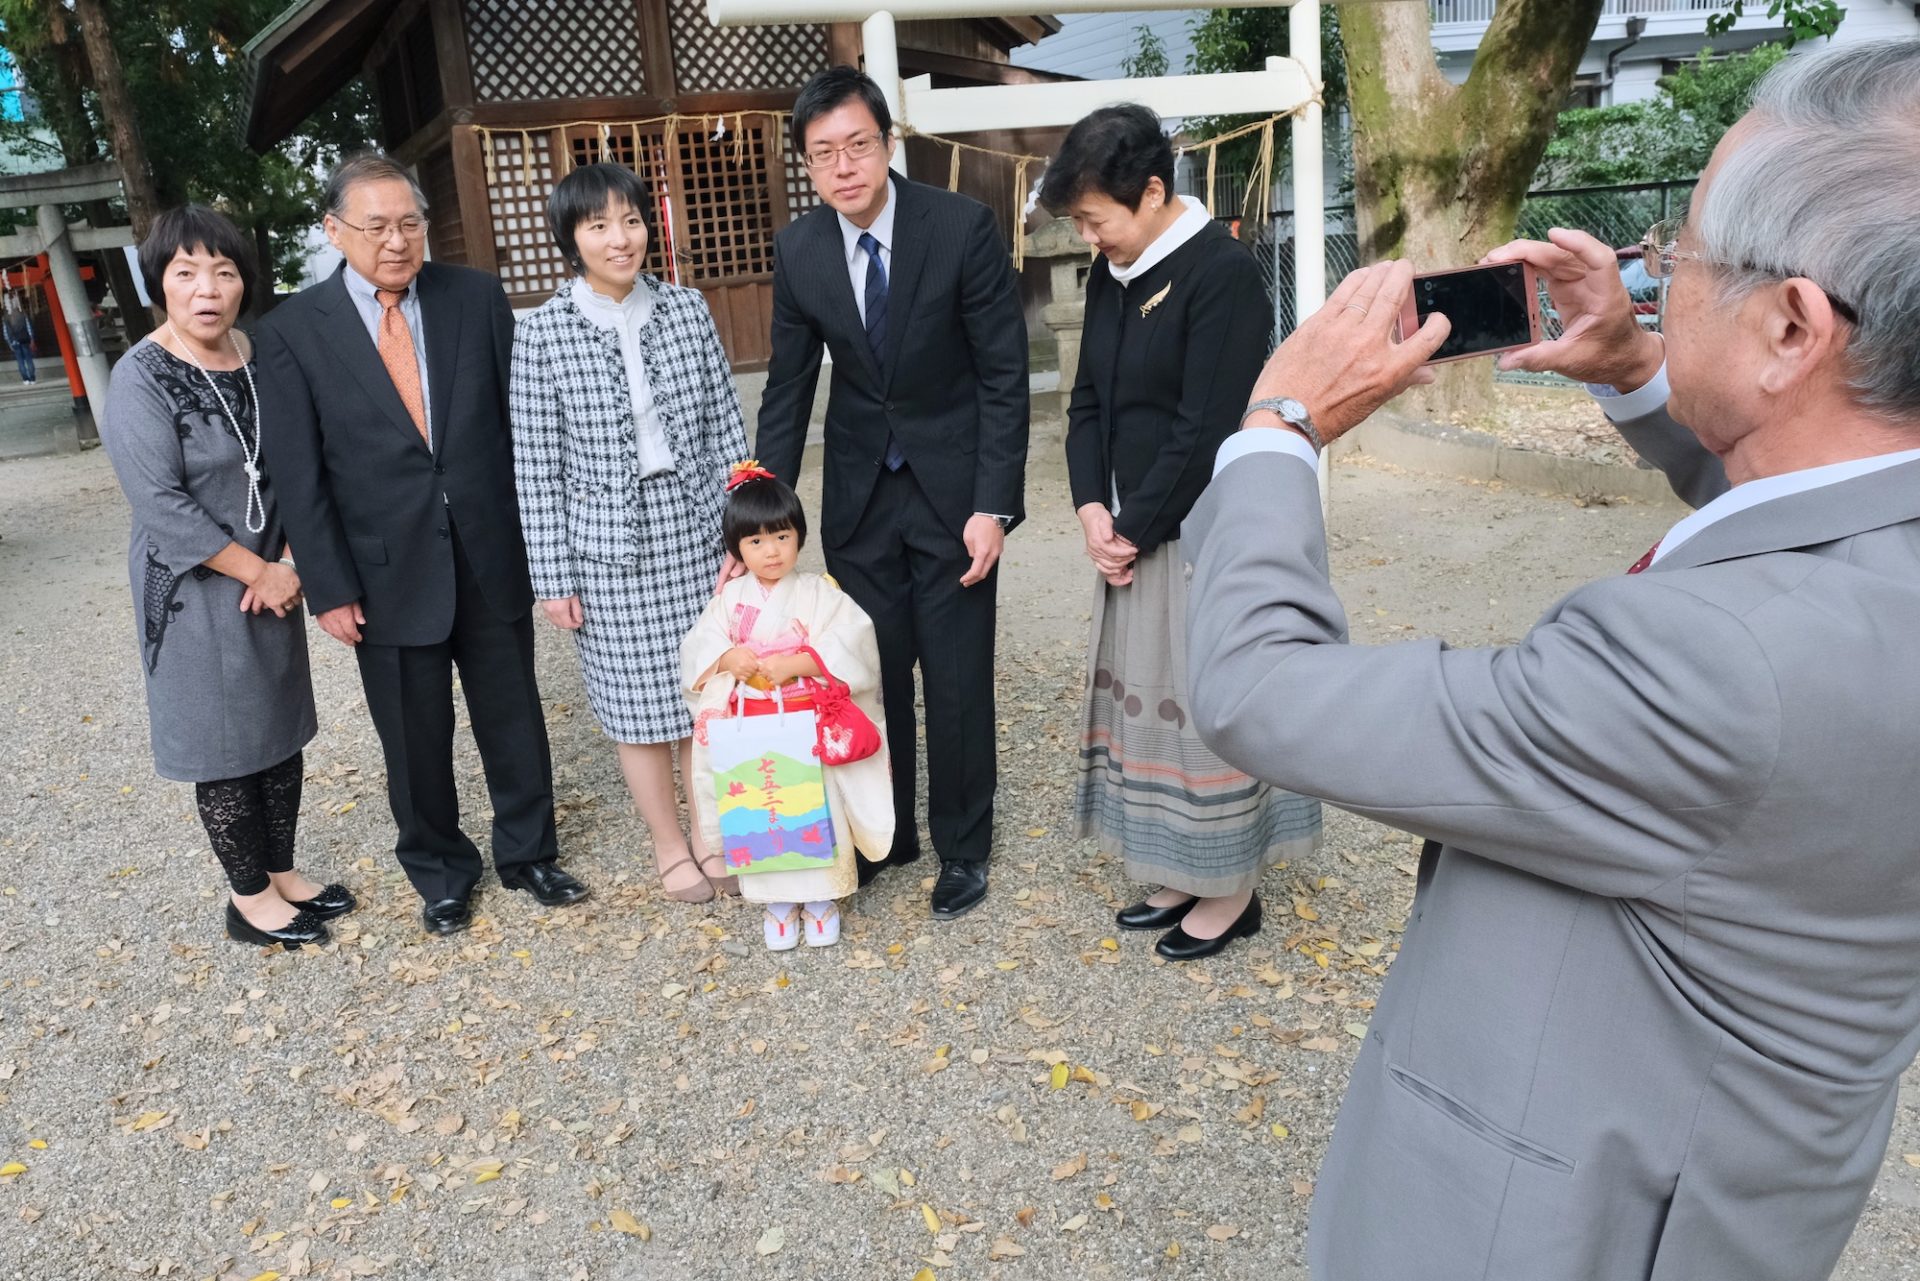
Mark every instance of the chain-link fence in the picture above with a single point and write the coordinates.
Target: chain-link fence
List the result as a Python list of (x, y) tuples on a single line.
[(1619, 216)]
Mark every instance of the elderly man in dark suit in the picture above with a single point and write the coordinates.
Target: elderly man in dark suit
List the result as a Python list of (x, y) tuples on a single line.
[(910, 287), (386, 390), (1683, 805)]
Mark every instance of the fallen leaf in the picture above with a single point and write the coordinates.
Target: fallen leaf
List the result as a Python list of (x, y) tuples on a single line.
[(341, 1202), (1912, 1159), (449, 1125), (486, 1176), (1002, 1248), (1321, 1044), (1074, 1224), (1279, 1131), (1222, 1232), (621, 1221), (1060, 1074), (1189, 1134), (931, 1219), (1067, 1169), (1173, 1249), (1303, 910), (1110, 945), (1036, 832), (771, 1240), (1302, 1188), (38, 1145), (12, 1169), (1144, 1111), (924, 1274)]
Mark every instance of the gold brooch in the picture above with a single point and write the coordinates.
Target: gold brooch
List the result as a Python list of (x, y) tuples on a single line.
[(1156, 300)]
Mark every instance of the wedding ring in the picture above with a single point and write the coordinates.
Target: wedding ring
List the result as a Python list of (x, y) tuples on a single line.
[(1354, 306)]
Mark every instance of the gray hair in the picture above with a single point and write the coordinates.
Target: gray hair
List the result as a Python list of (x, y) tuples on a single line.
[(1826, 187), (368, 166)]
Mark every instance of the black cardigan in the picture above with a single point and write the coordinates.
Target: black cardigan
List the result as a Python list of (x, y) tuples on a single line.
[(1158, 390)]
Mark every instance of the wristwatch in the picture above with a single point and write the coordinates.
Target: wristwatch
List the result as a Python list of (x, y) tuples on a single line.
[(1290, 412)]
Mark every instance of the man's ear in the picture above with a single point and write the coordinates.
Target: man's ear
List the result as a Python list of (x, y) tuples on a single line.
[(1802, 332)]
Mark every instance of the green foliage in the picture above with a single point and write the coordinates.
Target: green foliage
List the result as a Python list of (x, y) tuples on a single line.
[(1667, 137), (1149, 56), (1805, 19), (1227, 40), (189, 86)]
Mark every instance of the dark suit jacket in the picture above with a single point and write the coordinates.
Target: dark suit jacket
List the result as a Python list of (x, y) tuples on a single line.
[(952, 386), (365, 504), (1159, 389)]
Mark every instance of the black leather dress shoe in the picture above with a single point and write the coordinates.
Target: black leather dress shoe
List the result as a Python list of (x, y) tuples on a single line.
[(1145, 916), (305, 927), (1178, 945), (898, 856), (447, 916), (959, 890), (335, 900), (547, 883)]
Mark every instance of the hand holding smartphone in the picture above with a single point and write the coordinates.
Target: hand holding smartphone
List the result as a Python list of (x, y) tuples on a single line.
[(1492, 308)]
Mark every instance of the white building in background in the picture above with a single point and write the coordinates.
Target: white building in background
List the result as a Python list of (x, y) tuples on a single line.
[(1093, 46), (1639, 41)]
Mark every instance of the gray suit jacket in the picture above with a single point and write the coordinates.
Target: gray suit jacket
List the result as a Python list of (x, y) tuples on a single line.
[(1662, 971)]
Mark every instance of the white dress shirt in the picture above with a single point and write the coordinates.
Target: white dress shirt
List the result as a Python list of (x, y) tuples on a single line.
[(367, 303), (1618, 406), (882, 231), (626, 318)]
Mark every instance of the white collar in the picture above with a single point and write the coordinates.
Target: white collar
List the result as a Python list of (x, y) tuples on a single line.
[(360, 285), (1191, 222), (1768, 488), (882, 229), (607, 312)]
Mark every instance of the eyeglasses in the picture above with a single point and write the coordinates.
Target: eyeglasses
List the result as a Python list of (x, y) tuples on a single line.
[(413, 226), (859, 149), (1659, 252)]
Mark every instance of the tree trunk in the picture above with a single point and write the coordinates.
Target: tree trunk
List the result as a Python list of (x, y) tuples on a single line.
[(1441, 169), (116, 104)]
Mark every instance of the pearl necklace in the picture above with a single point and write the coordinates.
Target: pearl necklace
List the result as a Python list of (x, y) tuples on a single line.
[(249, 450)]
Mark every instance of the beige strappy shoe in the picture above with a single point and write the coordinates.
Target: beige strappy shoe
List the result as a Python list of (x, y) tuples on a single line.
[(701, 891), (726, 885)]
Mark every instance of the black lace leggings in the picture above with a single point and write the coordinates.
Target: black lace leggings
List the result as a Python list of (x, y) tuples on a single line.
[(251, 822)]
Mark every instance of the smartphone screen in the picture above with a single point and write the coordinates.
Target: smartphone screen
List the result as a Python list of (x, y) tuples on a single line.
[(1488, 307)]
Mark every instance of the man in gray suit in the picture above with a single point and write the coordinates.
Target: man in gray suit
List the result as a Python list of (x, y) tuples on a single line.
[(1662, 971)]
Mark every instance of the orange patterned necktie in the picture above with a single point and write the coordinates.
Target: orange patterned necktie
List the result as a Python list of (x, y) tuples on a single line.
[(396, 352)]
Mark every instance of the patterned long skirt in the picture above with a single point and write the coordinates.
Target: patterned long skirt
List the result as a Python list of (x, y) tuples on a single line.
[(1149, 790), (635, 616)]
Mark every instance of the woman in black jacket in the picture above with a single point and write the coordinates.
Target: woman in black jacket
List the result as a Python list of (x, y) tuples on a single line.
[(1176, 330)]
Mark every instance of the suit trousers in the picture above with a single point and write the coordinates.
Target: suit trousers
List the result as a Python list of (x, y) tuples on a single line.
[(902, 565), (410, 696)]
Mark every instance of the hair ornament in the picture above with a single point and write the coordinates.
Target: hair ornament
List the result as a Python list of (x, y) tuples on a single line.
[(746, 470)]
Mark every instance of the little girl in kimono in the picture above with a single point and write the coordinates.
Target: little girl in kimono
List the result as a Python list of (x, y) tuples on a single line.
[(773, 627)]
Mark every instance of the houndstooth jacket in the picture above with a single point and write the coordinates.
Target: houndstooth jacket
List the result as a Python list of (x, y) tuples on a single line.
[(575, 450)]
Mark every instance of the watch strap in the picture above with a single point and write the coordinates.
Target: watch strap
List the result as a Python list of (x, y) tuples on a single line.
[(1275, 405)]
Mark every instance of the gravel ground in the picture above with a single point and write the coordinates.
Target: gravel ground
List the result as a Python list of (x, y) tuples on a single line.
[(1552, 421), (633, 1088)]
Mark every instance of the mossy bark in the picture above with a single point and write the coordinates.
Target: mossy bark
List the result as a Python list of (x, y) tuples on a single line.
[(1441, 169)]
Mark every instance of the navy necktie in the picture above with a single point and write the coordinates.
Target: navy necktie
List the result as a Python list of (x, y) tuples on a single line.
[(876, 305)]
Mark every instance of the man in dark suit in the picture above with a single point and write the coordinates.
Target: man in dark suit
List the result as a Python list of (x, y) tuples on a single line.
[(911, 289), (386, 385)]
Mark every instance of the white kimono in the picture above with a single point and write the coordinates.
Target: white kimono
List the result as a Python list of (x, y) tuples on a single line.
[(801, 609)]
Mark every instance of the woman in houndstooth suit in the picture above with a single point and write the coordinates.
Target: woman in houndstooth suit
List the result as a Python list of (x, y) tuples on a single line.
[(625, 421)]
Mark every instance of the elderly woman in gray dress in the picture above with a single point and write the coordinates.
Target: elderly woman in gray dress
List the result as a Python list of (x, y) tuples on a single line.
[(217, 611), (625, 422)]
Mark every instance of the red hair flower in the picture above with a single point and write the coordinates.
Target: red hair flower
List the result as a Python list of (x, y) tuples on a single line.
[(746, 470)]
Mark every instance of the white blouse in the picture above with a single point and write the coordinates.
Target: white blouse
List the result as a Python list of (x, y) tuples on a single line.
[(627, 318)]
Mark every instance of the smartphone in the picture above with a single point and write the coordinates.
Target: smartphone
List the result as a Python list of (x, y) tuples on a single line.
[(1492, 308)]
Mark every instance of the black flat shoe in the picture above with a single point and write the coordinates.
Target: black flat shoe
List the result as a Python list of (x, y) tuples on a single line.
[(960, 889), (304, 928), (547, 883), (447, 916), (1145, 916), (335, 900), (1178, 945), (898, 856)]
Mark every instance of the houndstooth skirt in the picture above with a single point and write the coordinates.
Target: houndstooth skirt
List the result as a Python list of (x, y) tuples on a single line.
[(635, 616)]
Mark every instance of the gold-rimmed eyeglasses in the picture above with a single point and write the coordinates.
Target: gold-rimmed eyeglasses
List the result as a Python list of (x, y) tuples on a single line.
[(1660, 251), (859, 149), (413, 226)]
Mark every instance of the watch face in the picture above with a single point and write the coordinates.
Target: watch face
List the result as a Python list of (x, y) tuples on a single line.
[(1292, 410)]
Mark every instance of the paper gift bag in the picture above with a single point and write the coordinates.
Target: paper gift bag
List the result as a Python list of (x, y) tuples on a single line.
[(770, 793)]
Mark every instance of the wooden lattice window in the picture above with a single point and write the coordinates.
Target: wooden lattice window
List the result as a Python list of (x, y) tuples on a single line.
[(801, 193), (709, 59), (523, 179), (726, 201), (523, 50), (586, 146)]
